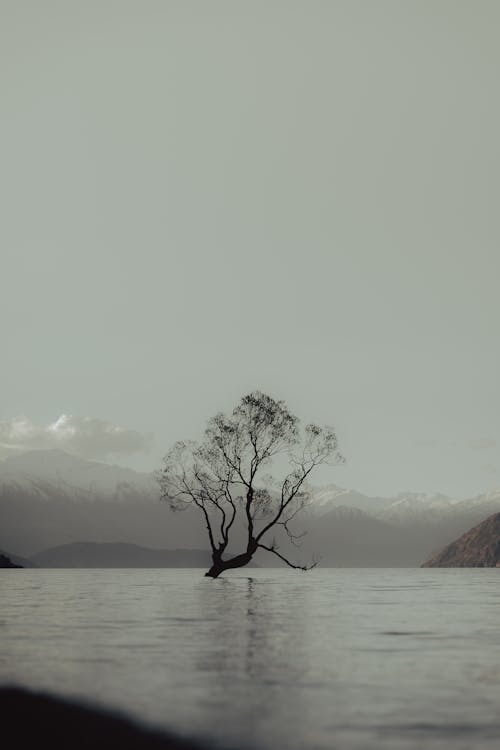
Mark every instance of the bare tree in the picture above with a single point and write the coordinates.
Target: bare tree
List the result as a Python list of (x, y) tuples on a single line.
[(223, 476)]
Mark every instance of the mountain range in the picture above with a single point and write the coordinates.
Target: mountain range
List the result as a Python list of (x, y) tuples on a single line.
[(50, 498)]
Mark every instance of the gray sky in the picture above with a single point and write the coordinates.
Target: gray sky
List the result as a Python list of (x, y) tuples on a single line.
[(204, 198)]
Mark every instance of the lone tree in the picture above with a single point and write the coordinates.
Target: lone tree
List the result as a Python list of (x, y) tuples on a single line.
[(223, 476)]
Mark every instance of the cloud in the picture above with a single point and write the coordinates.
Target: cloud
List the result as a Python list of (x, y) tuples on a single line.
[(483, 444), (83, 436)]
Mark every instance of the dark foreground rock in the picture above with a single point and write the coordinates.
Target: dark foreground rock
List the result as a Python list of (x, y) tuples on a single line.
[(6, 562), (34, 720), (477, 548)]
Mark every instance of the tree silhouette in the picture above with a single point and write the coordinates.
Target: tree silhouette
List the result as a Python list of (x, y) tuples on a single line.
[(223, 476)]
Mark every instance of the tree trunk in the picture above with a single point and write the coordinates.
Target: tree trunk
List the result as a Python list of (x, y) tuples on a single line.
[(219, 565)]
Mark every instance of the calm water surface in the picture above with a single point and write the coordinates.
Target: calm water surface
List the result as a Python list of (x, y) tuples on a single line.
[(347, 659)]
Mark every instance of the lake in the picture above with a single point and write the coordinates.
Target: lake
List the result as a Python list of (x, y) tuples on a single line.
[(334, 658)]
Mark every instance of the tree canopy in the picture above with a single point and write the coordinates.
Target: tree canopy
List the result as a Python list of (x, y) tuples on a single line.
[(224, 476)]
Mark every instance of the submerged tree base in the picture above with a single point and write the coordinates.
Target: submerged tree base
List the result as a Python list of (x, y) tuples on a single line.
[(239, 561), (214, 572)]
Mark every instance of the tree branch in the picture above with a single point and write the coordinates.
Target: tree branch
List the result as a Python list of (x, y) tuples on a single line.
[(290, 564)]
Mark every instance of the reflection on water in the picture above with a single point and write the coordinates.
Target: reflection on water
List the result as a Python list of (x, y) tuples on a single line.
[(250, 644), (401, 659)]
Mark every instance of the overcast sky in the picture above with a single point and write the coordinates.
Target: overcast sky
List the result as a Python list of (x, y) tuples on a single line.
[(204, 198)]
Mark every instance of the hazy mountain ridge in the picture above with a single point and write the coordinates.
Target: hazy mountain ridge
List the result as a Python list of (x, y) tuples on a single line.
[(350, 537), (49, 498), (119, 555)]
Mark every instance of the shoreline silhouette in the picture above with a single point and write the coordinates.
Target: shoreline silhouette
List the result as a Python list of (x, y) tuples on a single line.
[(35, 719)]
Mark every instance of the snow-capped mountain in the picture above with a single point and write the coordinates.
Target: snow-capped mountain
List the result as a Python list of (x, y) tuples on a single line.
[(324, 499), (46, 472), (416, 507)]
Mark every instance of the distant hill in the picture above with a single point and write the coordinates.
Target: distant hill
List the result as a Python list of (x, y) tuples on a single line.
[(477, 548), (119, 555)]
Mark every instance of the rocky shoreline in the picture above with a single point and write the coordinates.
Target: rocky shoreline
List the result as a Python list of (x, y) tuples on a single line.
[(477, 548)]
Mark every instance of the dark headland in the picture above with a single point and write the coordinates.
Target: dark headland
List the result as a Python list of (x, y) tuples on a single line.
[(6, 562), (477, 548)]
